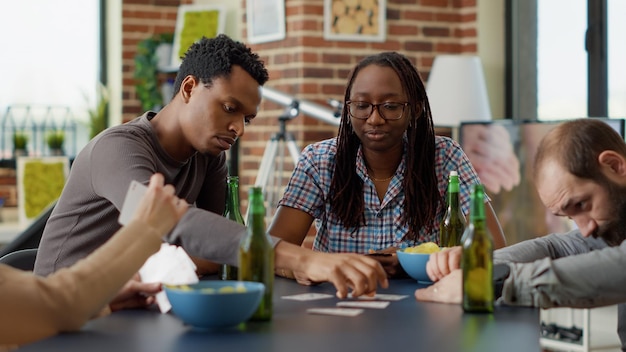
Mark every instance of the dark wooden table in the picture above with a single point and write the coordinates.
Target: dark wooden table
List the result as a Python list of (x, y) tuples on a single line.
[(405, 325)]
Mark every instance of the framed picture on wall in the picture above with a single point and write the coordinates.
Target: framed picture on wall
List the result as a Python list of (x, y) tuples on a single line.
[(363, 20), (194, 22), (266, 20)]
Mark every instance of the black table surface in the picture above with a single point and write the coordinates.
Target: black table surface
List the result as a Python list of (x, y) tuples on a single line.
[(405, 325)]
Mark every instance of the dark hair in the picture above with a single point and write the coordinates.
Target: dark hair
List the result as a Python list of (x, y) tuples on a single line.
[(420, 182), (577, 144), (208, 59)]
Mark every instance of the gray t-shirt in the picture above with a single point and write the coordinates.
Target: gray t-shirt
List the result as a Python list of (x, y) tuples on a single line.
[(566, 270), (86, 214)]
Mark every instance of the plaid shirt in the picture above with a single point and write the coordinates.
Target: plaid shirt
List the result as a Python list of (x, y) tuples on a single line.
[(309, 188)]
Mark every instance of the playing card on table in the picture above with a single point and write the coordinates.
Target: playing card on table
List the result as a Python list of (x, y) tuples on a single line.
[(364, 304), (308, 296), (345, 312), (380, 297)]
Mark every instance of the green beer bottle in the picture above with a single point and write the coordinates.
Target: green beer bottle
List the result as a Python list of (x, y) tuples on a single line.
[(453, 224), (256, 253), (477, 258), (232, 212)]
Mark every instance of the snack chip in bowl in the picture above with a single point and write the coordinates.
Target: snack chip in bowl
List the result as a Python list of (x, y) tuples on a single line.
[(426, 248)]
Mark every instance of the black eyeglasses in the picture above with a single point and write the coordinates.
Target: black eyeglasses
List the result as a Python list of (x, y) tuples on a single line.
[(362, 110)]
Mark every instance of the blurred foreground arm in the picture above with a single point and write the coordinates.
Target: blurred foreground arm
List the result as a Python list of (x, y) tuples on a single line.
[(35, 307)]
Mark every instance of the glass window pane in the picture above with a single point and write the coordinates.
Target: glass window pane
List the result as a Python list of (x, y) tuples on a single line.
[(617, 57), (48, 59), (561, 59)]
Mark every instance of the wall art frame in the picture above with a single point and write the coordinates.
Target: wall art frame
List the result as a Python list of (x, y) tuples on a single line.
[(192, 23), (363, 21), (266, 20)]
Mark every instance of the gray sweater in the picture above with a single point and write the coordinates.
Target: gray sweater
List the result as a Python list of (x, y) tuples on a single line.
[(566, 270), (86, 214)]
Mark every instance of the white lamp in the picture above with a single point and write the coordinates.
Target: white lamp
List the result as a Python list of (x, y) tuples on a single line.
[(457, 91)]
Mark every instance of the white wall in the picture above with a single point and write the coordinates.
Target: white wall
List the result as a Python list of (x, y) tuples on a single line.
[(491, 50), (114, 59)]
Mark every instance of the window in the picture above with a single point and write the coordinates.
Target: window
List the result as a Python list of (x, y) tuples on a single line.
[(50, 54), (550, 73), (617, 57), (561, 59)]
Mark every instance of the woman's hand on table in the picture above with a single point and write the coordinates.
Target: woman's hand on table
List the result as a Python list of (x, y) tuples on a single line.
[(346, 271), (389, 260)]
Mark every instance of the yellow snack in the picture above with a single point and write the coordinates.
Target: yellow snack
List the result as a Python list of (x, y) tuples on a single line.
[(226, 289), (426, 248), (180, 287)]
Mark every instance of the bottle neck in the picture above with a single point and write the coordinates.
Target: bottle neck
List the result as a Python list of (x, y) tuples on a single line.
[(256, 209), (453, 184), (453, 192), (233, 194), (477, 211)]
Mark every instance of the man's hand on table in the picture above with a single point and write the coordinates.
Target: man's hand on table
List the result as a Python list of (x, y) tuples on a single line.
[(135, 294), (444, 268), (447, 290)]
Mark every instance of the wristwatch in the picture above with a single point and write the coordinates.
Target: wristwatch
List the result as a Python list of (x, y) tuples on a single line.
[(500, 273)]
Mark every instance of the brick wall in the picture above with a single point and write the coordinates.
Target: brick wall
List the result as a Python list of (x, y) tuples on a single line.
[(140, 20), (311, 68), (306, 65)]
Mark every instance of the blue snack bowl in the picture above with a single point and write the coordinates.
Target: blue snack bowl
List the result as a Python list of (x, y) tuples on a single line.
[(214, 304), (415, 265)]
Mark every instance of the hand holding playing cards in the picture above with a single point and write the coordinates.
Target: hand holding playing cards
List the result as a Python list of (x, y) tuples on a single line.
[(159, 207)]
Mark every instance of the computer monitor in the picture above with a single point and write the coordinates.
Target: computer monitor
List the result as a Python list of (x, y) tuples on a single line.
[(519, 209)]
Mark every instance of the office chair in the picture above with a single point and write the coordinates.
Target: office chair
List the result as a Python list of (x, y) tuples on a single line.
[(23, 259), (31, 236)]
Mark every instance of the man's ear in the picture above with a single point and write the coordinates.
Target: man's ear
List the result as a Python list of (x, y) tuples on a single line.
[(612, 161), (186, 87)]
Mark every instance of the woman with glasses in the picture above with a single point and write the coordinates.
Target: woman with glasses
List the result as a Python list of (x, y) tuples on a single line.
[(380, 184)]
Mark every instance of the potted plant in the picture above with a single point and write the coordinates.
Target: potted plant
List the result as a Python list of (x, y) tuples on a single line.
[(55, 140), (20, 143), (146, 71), (98, 115)]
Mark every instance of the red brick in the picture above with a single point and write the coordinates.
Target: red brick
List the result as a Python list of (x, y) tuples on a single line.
[(393, 30), (418, 46), (435, 3)]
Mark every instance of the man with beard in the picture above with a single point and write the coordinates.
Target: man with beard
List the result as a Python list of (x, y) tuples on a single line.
[(580, 170)]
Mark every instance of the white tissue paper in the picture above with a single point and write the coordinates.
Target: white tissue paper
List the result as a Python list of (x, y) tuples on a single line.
[(170, 266)]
